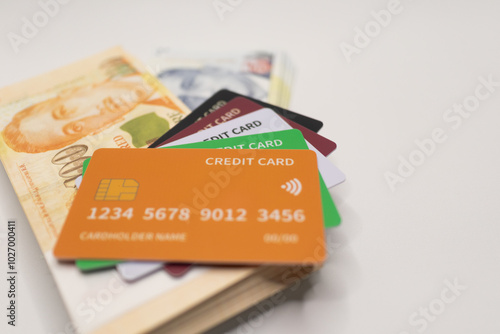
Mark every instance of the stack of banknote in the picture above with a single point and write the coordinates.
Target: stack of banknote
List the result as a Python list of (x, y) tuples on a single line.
[(51, 124)]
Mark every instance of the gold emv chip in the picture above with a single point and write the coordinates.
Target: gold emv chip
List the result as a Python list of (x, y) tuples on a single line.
[(117, 190)]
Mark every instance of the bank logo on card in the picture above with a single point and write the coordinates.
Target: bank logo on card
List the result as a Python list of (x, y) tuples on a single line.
[(117, 190), (293, 186)]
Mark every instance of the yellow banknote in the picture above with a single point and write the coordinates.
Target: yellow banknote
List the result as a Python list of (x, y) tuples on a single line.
[(50, 124)]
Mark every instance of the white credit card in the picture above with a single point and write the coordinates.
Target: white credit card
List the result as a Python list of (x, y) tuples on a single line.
[(133, 270), (261, 121)]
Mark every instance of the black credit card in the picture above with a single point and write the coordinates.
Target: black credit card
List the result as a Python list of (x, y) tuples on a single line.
[(222, 97)]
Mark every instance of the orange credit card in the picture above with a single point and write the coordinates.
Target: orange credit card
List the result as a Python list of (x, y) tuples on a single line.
[(197, 205)]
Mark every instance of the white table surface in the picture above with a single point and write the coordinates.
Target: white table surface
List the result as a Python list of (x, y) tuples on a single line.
[(395, 249)]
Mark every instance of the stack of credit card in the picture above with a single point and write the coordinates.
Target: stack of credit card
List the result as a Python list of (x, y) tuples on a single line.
[(236, 182)]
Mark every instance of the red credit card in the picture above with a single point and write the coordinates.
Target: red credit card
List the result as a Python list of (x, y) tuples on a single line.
[(240, 106), (177, 269)]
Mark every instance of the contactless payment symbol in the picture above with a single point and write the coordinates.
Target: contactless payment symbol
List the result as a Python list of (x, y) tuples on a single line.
[(117, 190), (293, 186)]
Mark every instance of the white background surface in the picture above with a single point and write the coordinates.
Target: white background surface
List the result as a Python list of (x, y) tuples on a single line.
[(394, 249)]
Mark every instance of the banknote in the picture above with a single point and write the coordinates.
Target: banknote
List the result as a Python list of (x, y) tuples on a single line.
[(50, 124), (195, 76)]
